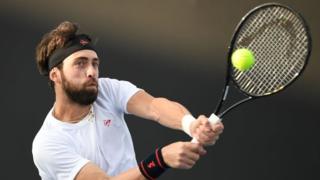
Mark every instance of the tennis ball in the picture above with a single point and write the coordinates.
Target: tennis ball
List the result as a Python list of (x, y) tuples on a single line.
[(242, 59)]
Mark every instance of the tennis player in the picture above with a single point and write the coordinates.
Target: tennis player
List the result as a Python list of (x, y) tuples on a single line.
[(84, 135)]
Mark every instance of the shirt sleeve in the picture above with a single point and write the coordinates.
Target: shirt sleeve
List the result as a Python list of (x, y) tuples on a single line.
[(55, 159), (119, 91)]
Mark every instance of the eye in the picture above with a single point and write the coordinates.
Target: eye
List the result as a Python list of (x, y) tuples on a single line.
[(80, 63), (95, 64)]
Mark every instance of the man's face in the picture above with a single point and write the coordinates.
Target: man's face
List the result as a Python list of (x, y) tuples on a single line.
[(79, 77)]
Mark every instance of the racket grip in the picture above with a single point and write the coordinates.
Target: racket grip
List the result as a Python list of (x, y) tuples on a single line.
[(212, 119)]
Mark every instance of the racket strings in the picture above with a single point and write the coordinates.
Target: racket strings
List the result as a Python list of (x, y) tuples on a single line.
[(279, 41), (272, 54)]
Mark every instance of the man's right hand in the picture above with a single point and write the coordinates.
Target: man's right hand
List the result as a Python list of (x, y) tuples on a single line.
[(182, 155)]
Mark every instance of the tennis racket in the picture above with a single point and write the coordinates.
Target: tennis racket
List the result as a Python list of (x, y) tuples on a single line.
[(280, 40)]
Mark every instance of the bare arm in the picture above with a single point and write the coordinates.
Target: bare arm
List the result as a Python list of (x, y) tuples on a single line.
[(91, 171), (179, 155), (162, 110), (170, 114)]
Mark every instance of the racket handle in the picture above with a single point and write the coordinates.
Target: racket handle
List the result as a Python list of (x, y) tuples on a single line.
[(212, 119)]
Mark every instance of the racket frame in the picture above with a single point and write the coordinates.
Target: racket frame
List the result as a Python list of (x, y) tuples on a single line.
[(228, 79)]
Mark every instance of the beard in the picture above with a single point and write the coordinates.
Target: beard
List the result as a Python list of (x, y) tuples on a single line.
[(80, 95)]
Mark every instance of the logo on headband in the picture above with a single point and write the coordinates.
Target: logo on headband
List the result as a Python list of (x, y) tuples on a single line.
[(83, 42)]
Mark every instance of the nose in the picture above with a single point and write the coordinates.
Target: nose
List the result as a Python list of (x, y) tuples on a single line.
[(92, 72)]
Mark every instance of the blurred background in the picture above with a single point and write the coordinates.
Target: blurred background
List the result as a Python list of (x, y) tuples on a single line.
[(171, 48)]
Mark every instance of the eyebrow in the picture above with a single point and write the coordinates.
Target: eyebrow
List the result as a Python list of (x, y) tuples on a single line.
[(86, 58)]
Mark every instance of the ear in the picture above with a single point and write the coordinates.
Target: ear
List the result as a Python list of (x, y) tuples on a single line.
[(55, 75)]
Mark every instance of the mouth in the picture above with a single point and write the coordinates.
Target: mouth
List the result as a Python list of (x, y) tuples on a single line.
[(92, 83)]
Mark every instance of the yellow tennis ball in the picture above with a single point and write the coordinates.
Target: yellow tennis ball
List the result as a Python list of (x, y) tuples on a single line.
[(242, 59)]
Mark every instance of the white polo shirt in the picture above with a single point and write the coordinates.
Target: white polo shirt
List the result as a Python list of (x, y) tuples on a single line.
[(61, 149)]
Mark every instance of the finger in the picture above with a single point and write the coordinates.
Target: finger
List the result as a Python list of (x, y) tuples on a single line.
[(214, 141), (204, 129), (202, 117), (181, 164), (211, 129), (219, 131), (212, 135), (189, 163), (220, 125), (207, 127), (217, 128), (206, 134), (207, 138), (202, 151), (191, 156), (203, 138), (205, 123), (184, 165), (197, 148)]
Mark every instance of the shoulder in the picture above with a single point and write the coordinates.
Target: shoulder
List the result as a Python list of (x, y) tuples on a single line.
[(116, 92), (113, 88), (54, 154), (46, 142), (50, 133), (113, 83)]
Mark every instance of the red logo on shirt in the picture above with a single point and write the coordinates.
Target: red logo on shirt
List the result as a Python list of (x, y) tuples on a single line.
[(107, 122), (151, 165)]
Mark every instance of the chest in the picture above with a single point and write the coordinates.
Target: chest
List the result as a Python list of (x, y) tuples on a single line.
[(104, 139)]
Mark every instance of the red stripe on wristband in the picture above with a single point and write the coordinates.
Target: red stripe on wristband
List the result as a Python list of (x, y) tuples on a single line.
[(145, 172), (158, 159), (153, 166)]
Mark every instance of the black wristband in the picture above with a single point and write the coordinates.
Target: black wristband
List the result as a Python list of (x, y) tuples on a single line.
[(153, 166)]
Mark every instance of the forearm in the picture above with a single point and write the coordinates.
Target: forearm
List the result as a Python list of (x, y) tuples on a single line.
[(164, 111), (131, 174), (169, 113), (150, 168), (92, 171)]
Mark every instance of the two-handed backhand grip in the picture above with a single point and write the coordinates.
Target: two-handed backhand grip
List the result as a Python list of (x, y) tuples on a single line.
[(212, 119)]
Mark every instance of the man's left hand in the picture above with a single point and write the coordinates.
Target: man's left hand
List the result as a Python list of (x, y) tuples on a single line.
[(205, 132)]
